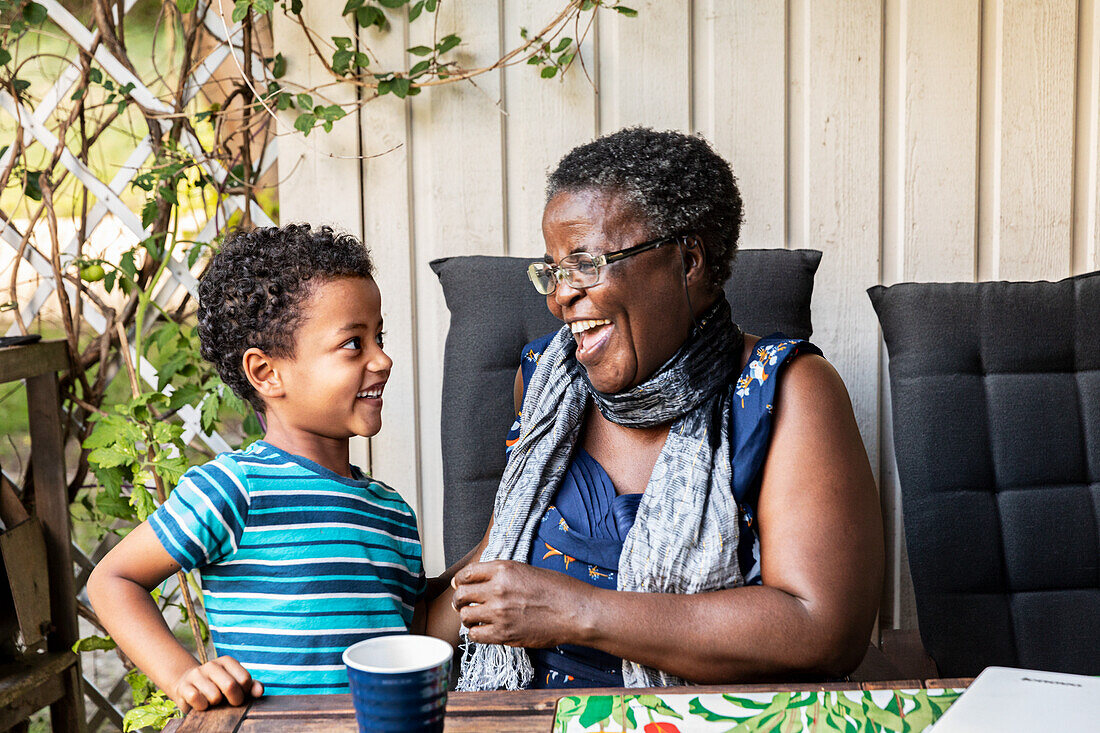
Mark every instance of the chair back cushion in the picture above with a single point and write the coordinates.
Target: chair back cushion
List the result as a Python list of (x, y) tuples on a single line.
[(495, 311), (996, 407)]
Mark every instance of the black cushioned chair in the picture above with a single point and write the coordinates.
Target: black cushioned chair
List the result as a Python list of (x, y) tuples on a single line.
[(996, 404), (495, 311)]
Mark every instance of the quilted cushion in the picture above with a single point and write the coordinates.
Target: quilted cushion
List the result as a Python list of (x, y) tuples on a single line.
[(495, 311), (996, 403)]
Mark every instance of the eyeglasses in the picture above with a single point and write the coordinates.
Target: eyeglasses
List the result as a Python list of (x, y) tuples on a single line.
[(581, 270)]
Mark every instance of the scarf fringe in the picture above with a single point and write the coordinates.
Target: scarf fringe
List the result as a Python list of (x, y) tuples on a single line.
[(493, 667)]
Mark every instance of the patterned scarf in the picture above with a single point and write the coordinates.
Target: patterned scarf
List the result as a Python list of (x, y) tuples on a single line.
[(685, 536)]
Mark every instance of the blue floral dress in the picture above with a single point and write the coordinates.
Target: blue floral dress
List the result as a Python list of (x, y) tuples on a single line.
[(582, 532)]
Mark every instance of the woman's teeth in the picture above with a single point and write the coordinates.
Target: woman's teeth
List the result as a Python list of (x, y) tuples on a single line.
[(582, 326), (372, 392)]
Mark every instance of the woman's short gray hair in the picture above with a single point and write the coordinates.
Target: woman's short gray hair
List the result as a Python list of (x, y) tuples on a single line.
[(677, 183)]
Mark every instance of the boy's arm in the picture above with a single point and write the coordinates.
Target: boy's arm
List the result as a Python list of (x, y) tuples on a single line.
[(119, 589), (442, 618)]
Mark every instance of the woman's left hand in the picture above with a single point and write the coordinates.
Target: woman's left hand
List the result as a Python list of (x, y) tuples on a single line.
[(512, 603)]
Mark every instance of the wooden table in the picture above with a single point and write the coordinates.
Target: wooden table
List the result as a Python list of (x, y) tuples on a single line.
[(525, 711)]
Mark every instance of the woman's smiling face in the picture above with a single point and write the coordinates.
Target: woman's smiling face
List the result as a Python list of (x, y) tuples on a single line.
[(637, 316)]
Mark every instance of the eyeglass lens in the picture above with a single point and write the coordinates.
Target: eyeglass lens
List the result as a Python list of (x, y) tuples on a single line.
[(578, 270)]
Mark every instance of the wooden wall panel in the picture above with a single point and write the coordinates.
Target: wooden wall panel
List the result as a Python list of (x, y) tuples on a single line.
[(1086, 224), (739, 95), (645, 68), (1027, 209)]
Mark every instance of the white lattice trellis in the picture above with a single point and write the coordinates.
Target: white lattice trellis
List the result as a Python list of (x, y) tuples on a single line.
[(109, 204)]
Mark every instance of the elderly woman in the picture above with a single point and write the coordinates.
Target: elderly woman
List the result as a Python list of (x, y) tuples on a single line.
[(683, 501)]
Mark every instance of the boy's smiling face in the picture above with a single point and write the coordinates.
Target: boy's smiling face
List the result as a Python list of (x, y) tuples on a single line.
[(331, 389)]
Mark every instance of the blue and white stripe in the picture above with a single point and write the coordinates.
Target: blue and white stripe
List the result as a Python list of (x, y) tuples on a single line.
[(297, 562)]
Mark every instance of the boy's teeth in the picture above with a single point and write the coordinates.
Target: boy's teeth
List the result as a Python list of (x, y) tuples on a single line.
[(580, 326)]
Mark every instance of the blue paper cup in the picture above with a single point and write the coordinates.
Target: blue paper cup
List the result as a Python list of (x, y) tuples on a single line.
[(399, 683)]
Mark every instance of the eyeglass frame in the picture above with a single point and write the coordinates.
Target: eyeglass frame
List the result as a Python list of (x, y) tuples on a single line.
[(599, 261)]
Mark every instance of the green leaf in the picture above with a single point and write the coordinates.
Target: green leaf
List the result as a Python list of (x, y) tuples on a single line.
[(149, 213), (34, 13), (431, 5), (151, 715), (385, 86), (114, 506), (420, 67), (628, 12), (278, 68), (186, 6), (448, 43), (361, 59), (110, 456), (140, 686), (333, 112), (305, 102), (209, 413), (240, 9), (597, 710), (401, 87), (548, 72), (296, 7), (341, 61), (95, 75), (420, 50), (587, 5), (565, 59), (263, 6), (251, 425), (126, 263), (31, 187), (392, 4), (5, 57), (91, 643), (562, 45), (342, 42), (168, 193), (416, 10), (351, 7), (305, 122), (369, 15), (142, 502)]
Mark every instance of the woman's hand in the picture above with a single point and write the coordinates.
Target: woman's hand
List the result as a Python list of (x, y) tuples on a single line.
[(512, 603), (209, 684)]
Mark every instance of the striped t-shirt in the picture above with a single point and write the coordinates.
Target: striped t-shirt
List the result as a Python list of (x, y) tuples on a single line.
[(297, 562)]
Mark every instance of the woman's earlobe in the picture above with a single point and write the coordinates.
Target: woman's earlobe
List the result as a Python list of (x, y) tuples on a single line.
[(695, 259), (262, 373)]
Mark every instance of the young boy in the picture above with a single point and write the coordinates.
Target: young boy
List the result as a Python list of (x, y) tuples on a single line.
[(301, 554)]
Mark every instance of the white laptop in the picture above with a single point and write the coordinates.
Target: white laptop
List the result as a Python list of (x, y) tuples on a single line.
[(1003, 699)]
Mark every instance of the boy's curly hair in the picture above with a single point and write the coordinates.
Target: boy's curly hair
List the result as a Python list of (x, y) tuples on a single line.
[(250, 295)]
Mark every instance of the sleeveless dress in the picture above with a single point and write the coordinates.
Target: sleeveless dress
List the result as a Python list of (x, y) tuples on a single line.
[(582, 532)]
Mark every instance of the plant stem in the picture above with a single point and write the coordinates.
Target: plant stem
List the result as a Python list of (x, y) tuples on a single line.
[(162, 496)]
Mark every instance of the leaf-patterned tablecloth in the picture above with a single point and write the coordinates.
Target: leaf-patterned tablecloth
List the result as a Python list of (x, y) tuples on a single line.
[(851, 711)]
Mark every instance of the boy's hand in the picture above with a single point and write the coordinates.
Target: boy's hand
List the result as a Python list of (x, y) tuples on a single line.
[(209, 684)]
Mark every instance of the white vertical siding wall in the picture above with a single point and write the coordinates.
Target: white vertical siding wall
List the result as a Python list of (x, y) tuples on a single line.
[(906, 139)]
